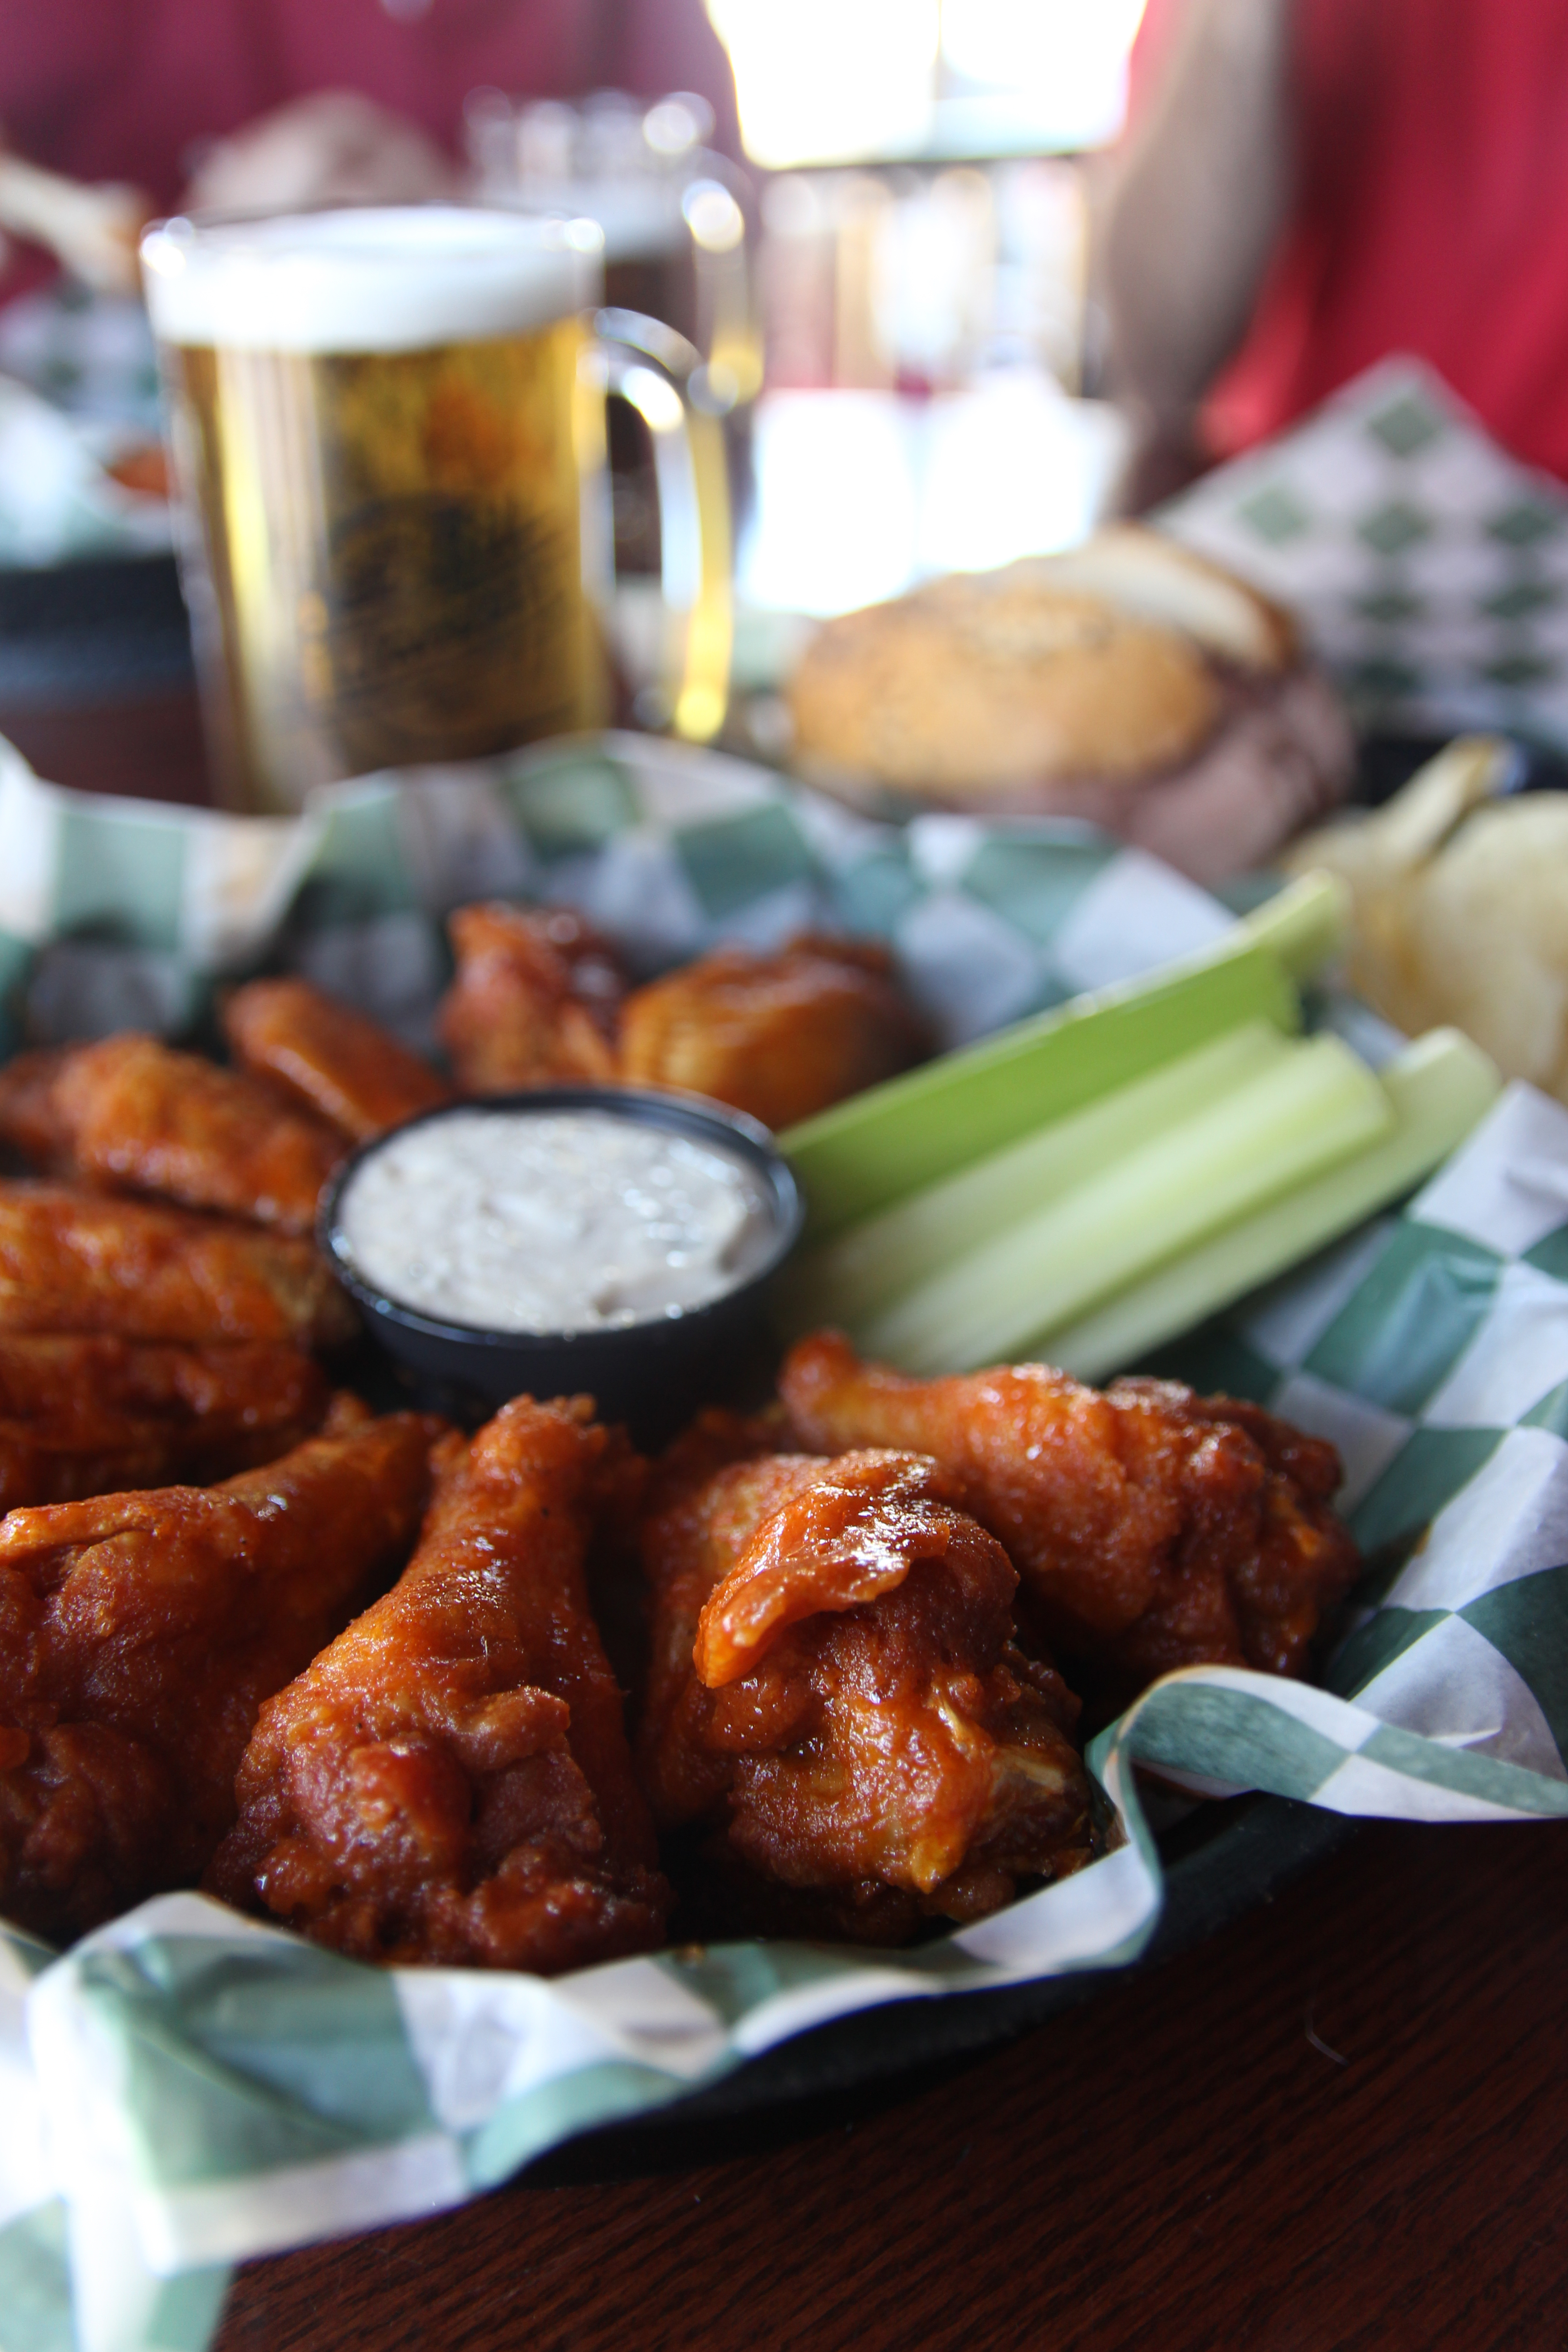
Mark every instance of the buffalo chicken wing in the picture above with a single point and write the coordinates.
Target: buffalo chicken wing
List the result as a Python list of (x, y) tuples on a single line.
[(1152, 1527), (139, 1634), (86, 1414), (535, 999), (539, 1000), (80, 1261), (330, 1059), (451, 1780), (135, 1115), (781, 1036), (835, 1691)]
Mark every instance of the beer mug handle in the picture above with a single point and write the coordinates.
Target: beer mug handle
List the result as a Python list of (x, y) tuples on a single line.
[(659, 373)]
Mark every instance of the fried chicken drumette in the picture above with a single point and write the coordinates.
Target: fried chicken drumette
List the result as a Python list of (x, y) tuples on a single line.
[(539, 1000), (451, 1780), (80, 1261), (138, 1116), (834, 1689), (140, 1633), (535, 1001), (1152, 1527), (334, 1062), (779, 1035), (93, 1414)]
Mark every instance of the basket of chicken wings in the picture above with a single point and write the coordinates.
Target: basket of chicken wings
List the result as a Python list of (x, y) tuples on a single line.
[(625, 1759)]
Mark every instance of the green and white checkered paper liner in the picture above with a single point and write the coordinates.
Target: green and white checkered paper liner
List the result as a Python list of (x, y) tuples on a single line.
[(117, 913), (186, 2088), (89, 355), (1429, 568)]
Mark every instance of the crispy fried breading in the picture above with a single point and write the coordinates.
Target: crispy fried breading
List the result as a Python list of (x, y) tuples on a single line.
[(1152, 1527), (31, 1119), (136, 1114), (834, 1686), (451, 1780), (535, 1000), (338, 1063), (77, 1261), (540, 999), (94, 1414), (140, 1633), (779, 1035)]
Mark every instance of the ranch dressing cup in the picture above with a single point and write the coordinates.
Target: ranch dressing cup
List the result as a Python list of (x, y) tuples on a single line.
[(652, 1321), (542, 1222), (388, 433)]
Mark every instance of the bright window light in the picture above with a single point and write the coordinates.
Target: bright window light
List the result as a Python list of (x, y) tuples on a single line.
[(821, 80), (1029, 43), (824, 81), (859, 493)]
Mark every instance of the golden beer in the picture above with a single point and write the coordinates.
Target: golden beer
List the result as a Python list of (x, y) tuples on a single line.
[(387, 441)]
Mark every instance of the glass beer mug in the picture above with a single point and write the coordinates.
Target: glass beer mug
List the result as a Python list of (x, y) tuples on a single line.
[(388, 430)]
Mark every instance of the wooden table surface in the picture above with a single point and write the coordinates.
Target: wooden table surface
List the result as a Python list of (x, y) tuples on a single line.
[(1340, 2124)]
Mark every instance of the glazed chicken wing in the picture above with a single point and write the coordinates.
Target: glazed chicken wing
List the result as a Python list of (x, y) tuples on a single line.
[(1153, 1528), (779, 1035), (74, 1260), (139, 1633), (535, 999), (134, 1114), (31, 1119), (450, 1781), (83, 1414), (836, 1689), (336, 1062)]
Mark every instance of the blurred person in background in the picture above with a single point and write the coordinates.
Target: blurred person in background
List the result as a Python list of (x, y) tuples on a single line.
[(261, 103), (1306, 186)]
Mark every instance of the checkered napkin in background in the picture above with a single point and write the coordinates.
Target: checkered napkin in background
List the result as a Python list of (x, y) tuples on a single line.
[(1429, 568), (90, 354), (186, 2088), (78, 385)]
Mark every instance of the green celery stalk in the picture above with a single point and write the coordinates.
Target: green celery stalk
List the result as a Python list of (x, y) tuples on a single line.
[(849, 1278), (1440, 1087), (894, 1139), (1263, 1138), (1306, 924)]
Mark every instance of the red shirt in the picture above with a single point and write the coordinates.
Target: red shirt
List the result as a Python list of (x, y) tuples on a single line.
[(124, 89), (1431, 215)]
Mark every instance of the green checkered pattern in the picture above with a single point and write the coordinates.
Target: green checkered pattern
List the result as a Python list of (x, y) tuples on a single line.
[(78, 386), (113, 913), (1429, 567), (186, 2088), (90, 354), (1432, 1348)]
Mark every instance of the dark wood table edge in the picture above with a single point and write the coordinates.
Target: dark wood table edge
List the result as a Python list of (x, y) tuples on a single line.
[(1218, 1866)]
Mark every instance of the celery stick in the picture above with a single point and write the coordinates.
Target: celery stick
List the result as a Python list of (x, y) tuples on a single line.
[(1263, 1138), (1440, 1087), (1306, 924), (863, 1155), (847, 1279)]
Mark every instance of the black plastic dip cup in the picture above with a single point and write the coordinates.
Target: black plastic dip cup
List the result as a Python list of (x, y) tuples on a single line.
[(652, 1375)]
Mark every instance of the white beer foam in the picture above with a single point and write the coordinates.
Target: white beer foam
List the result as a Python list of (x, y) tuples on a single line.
[(380, 278)]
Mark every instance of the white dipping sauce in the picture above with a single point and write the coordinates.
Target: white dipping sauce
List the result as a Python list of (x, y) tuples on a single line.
[(552, 1221)]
